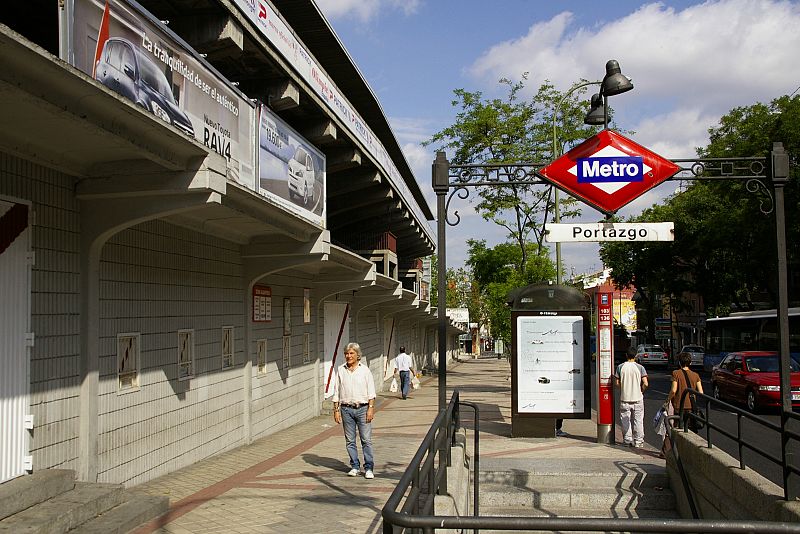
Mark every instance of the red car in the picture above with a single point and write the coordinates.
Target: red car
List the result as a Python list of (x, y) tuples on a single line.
[(752, 377)]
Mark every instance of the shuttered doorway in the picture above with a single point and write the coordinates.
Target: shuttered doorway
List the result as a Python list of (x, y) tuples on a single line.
[(14, 345)]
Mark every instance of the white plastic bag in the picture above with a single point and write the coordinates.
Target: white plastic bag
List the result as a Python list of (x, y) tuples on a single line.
[(415, 383), (660, 422), (393, 387)]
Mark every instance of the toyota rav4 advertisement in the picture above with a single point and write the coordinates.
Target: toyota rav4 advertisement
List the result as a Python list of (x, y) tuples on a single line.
[(290, 169), (136, 56)]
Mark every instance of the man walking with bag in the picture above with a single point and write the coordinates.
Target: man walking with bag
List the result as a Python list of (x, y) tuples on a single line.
[(405, 367), (631, 378)]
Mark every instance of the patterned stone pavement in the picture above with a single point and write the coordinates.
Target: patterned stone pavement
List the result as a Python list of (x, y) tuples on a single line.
[(295, 480)]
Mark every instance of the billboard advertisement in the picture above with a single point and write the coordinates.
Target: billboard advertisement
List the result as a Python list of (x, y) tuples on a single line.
[(283, 38), (291, 170), (126, 49), (550, 365), (625, 313)]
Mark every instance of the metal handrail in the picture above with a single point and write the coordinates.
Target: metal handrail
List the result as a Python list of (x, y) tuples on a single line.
[(423, 478), (412, 517), (672, 423), (783, 430)]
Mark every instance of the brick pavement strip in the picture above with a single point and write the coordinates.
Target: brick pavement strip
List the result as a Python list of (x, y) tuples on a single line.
[(306, 479), (303, 487)]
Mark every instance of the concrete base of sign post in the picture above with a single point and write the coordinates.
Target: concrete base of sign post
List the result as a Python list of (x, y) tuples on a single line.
[(532, 427)]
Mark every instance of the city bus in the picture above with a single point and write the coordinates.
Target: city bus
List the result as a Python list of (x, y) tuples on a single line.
[(754, 330)]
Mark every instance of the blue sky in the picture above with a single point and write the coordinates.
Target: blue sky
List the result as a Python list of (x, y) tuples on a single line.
[(690, 62)]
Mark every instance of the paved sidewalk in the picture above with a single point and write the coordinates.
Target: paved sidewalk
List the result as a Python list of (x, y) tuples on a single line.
[(295, 480)]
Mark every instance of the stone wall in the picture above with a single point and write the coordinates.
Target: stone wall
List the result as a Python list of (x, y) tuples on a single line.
[(721, 489)]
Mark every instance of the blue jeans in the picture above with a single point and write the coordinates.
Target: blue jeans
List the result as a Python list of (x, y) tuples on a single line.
[(352, 418), (405, 382)]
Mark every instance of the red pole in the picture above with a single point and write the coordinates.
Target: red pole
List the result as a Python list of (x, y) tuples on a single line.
[(605, 368)]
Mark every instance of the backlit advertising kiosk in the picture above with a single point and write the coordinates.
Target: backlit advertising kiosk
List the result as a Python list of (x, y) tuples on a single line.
[(550, 364)]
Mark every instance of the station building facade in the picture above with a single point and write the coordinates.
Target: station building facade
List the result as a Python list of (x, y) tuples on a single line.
[(201, 204)]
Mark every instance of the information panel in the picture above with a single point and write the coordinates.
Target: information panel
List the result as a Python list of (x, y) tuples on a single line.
[(605, 359), (550, 364), (262, 304)]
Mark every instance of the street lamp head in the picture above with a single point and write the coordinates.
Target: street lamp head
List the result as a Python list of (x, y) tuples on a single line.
[(615, 82), (597, 114)]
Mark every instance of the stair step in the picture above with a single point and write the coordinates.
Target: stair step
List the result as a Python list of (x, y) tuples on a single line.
[(131, 513), (65, 511), (667, 515), (28, 490), (501, 495), (589, 473)]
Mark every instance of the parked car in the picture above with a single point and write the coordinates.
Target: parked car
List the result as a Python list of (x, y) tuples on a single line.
[(126, 70), (301, 176), (648, 354), (753, 378), (697, 352)]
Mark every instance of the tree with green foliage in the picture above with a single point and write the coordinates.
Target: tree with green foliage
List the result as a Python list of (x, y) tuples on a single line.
[(725, 246), (745, 247), (495, 274), (508, 131)]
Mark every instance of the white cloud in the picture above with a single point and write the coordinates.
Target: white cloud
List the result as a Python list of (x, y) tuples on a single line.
[(689, 66), (675, 134), (419, 159), (365, 10)]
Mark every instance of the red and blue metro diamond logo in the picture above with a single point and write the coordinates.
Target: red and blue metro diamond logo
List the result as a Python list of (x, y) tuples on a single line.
[(608, 170)]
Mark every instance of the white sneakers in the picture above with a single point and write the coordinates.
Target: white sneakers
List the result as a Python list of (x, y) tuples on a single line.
[(367, 474)]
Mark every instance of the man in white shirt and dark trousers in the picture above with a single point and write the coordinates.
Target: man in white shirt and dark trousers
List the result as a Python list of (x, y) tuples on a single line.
[(631, 378), (354, 408), (405, 367)]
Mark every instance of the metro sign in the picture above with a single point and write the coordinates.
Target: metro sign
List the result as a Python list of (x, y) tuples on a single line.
[(608, 170)]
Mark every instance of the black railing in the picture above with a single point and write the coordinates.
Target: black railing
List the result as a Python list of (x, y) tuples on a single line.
[(426, 475), (785, 431), (410, 508)]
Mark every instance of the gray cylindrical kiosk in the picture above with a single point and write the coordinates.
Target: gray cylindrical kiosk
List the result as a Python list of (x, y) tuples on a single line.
[(550, 364)]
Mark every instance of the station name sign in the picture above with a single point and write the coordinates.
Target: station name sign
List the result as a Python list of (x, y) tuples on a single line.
[(631, 232)]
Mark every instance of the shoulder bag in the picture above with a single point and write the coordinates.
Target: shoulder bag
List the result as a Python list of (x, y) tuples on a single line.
[(698, 421)]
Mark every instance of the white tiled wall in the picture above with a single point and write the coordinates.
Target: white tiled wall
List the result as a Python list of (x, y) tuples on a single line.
[(156, 279), (282, 396), (55, 307)]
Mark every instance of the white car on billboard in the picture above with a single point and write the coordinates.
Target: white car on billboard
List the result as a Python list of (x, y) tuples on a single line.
[(301, 176)]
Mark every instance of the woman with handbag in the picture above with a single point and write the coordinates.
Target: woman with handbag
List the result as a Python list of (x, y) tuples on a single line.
[(683, 379)]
